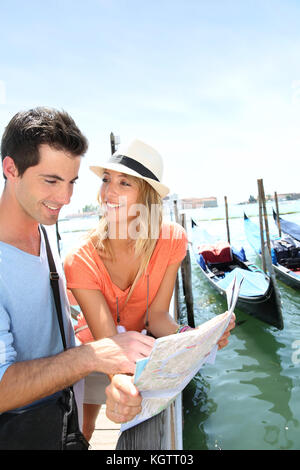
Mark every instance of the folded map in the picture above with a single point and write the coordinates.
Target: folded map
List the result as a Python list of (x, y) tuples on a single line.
[(176, 359)]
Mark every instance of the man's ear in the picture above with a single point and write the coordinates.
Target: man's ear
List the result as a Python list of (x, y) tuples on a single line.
[(9, 168)]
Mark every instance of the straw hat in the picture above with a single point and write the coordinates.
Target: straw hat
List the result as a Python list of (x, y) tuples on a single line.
[(137, 159)]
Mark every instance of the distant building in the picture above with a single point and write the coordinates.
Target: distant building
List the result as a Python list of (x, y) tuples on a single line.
[(170, 198), (194, 203), (288, 197)]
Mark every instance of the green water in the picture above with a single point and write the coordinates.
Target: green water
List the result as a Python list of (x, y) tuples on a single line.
[(249, 399)]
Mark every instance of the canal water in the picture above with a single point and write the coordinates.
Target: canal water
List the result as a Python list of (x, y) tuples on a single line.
[(248, 399)]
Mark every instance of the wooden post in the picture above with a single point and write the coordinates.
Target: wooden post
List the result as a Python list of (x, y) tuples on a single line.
[(265, 215), (227, 223), (112, 143), (263, 221), (177, 278), (186, 273), (261, 226), (277, 214), (148, 435), (176, 211), (262, 241)]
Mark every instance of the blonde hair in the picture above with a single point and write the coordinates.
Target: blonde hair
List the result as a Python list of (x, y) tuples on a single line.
[(150, 223)]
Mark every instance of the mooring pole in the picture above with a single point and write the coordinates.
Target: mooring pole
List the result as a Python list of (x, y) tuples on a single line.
[(277, 213), (227, 221), (186, 273), (263, 221), (112, 143)]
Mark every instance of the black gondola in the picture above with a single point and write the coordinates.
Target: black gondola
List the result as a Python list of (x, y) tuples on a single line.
[(258, 295)]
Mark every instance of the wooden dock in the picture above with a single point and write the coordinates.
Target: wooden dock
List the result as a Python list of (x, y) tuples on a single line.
[(106, 433)]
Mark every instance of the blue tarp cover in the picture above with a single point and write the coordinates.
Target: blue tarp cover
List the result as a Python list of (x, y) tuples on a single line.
[(290, 228), (254, 283)]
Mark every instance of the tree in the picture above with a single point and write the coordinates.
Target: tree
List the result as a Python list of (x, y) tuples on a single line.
[(89, 208)]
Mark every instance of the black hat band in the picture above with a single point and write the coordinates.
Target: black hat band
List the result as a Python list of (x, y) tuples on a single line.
[(134, 165)]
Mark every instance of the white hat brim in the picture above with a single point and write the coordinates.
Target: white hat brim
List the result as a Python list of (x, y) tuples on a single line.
[(160, 188)]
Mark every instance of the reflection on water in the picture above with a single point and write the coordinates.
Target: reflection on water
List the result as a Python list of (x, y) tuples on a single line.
[(248, 398)]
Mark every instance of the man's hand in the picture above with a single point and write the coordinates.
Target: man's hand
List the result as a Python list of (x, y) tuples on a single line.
[(123, 401), (223, 341), (118, 354)]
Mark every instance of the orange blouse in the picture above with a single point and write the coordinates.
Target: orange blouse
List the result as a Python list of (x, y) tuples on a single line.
[(84, 269)]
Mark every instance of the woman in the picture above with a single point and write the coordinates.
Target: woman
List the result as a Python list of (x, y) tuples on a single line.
[(123, 275)]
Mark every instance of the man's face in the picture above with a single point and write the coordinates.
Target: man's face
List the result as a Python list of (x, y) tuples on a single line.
[(45, 188)]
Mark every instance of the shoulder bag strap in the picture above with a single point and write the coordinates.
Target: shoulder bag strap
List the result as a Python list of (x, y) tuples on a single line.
[(54, 279), (71, 432)]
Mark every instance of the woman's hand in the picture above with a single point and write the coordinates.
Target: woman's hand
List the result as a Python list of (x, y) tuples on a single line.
[(223, 341), (123, 401)]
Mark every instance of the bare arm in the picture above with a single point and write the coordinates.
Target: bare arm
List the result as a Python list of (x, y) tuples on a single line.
[(160, 322), (96, 312), (25, 382)]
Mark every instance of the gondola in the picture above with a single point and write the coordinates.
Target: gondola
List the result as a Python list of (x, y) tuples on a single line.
[(285, 252), (287, 227), (219, 263)]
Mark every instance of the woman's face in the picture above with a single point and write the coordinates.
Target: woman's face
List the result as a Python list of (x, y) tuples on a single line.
[(119, 193)]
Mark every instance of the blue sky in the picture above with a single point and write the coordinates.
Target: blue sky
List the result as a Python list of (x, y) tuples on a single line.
[(214, 85)]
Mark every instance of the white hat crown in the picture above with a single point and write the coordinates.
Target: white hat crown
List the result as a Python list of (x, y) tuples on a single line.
[(142, 153), (137, 159)]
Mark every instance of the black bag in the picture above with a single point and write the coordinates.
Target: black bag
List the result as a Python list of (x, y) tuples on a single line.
[(51, 424), (287, 252)]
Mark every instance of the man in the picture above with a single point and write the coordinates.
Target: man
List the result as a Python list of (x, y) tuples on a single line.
[(41, 151)]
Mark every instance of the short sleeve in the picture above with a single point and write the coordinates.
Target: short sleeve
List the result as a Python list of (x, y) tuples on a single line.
[(179, 240), (82, 270), (8, 354)]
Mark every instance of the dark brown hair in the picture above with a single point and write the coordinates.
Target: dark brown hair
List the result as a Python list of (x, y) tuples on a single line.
[(27, 130)]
